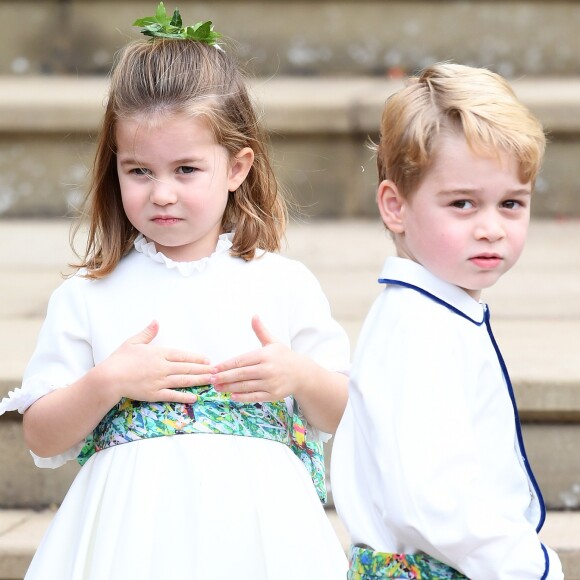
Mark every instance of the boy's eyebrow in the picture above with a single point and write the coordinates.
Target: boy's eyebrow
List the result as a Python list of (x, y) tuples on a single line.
[(471, 191)]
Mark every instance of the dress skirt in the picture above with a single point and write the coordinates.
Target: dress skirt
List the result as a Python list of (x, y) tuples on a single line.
[(196, 506)]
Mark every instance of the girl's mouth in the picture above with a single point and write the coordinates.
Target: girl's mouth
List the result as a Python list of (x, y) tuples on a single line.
[(165, 220)]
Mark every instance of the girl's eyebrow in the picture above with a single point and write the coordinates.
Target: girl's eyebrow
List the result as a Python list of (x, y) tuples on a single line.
[(184, 161), (188, 160), (128, 161)]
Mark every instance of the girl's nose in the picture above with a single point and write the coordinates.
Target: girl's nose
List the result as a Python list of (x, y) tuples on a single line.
[(162, 193)]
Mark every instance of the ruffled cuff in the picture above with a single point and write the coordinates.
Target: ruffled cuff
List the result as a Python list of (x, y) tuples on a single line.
[(57, 460), (19, 400), (317, 435), (22, 397)]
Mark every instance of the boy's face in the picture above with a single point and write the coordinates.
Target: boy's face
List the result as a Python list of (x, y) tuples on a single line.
[(467, 221)]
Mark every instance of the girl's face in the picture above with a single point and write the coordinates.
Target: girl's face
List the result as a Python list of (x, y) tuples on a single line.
[(467, 222), (175, 181)]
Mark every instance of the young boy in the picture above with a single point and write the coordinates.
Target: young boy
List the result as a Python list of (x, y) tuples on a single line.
[(429, 471)]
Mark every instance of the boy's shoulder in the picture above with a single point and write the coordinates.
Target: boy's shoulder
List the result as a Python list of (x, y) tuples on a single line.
[(403, 309), (416, 295)]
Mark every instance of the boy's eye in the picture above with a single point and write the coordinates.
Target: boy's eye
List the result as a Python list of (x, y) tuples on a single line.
[(512, 204), (462, 204), (185, 169)]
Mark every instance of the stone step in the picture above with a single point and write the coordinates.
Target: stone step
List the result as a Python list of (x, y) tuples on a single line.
[(22, 530), (552, 449), (320, 128), (346, 37), (535, 311)]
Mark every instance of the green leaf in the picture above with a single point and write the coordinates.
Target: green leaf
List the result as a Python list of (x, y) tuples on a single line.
[(161, 13), (176, 20), (162, 26), (203, 32), (145, 21), (160, 18)]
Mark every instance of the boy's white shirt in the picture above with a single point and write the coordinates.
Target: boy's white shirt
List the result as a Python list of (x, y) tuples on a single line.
[(427, 458)]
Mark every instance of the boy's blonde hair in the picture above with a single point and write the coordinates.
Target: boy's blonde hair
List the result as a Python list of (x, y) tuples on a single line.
[(161, 76), (474, 102)]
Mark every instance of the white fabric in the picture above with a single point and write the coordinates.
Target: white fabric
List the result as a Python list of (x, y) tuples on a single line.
[(198, 506), (426, 457), (176, 506)]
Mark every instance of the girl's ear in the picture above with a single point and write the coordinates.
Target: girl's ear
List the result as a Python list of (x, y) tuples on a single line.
[(391, 206), (240, 166)]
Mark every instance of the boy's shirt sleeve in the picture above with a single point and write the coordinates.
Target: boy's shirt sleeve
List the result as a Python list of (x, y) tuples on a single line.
[(417, 408)]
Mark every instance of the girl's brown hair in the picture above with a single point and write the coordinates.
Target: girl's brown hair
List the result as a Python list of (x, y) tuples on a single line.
[(181, 77)]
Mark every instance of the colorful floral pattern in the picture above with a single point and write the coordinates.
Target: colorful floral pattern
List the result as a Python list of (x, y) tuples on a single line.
[(213, 412), (366, 564)]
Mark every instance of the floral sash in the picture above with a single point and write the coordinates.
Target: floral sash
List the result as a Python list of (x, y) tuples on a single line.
[(366, 564), (213, 412)]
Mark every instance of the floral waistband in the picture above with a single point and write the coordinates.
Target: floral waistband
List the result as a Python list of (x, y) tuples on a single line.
[(366, 564), (214, 413)]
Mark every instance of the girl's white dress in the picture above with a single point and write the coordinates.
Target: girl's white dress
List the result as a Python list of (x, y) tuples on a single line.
[(198, 505)]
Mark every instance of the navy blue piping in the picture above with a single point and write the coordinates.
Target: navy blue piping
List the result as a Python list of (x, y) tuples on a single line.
[(504, 370), (518, 426), (547, 559), (432, 296)]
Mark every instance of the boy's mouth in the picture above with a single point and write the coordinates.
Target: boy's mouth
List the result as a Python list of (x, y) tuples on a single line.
[(487, 261)]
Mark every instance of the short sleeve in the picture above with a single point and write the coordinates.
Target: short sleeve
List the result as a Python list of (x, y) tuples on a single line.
[(62, 354), (314, 331)]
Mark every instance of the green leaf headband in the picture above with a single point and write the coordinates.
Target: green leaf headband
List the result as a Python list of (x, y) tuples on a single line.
[(162, 26)]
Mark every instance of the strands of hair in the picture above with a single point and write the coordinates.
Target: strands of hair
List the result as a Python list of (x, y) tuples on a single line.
[(159, 77)]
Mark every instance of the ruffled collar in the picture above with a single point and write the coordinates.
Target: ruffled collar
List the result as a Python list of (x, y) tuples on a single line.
[(147, 248)]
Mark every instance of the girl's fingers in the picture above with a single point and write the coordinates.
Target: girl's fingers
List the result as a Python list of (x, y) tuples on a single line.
[(183, 381), (248, 360), (146, 335), (235, 376), (262, 332), (240, 387), (192, 369), (181, 356)]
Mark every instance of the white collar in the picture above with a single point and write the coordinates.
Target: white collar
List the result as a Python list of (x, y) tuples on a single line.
[(147, 248), (411, 274)]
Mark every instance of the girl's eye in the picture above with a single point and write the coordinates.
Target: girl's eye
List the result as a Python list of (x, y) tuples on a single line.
[(186, 169), (462, 204), (140, 171)]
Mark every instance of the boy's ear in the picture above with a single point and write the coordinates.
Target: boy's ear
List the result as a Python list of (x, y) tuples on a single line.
[(391, 204), (240, 166)]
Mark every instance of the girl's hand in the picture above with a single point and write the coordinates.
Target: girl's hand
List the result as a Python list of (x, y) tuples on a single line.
[(267, 374), (144, 372)]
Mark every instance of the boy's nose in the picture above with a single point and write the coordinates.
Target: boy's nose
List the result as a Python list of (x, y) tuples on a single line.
[(489, 227)]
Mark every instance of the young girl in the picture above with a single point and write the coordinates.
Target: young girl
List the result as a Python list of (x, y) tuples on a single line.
[(189, 414)]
